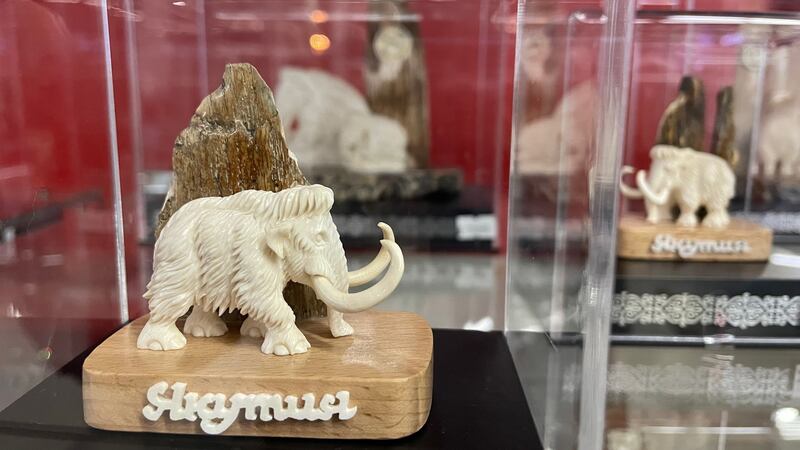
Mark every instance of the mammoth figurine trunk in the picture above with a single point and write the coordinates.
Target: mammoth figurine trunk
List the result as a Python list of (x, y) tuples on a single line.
[(687, 179), (220, 254)]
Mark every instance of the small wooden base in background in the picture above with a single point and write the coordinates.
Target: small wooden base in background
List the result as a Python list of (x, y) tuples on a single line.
[(386, 366), (636, 236)]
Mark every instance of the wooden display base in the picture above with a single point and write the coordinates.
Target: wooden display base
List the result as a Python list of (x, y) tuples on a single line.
[(740, 241), (386, 367)]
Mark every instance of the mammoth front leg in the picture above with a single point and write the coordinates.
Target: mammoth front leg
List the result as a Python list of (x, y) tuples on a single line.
[(282, 335), (285, 339), (658, 213), (337, 324), (688, 217)]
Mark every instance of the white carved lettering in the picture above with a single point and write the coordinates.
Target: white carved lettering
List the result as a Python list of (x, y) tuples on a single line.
[(216, 416), (687, 248)]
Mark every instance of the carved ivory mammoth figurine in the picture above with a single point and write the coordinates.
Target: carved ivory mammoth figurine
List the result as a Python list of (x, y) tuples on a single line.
[(238, 252), (687, 178)]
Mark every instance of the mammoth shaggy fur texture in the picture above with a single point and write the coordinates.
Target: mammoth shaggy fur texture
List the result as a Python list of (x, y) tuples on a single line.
[(209, 248), (237, 253)]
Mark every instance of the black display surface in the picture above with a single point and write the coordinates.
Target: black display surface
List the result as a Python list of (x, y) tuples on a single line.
[(477, 403), (708, 277)]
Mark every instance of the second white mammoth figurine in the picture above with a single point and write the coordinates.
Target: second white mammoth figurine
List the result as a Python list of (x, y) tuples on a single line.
[(220, 254), (688, 179)]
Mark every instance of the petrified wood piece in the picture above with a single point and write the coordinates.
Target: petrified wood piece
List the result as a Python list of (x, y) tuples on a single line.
[(683, 121), (235, 142), (723, 141), (397, 85)]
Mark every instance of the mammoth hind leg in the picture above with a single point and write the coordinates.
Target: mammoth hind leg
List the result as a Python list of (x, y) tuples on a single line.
[(202, 323), (160, 332), (160, 336)]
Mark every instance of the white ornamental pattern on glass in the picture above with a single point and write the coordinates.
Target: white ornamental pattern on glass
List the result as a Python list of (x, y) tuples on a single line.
[(741, 311), (718, 382), (217, 412)]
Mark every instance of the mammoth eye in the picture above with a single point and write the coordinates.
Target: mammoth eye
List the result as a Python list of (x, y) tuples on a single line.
[(321, 237)]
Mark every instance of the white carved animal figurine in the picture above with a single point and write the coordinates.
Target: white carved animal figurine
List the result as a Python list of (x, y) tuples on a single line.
[(688, 179), (561, 141), (238, 252), (328, 124), (780, 143), (364, 140)]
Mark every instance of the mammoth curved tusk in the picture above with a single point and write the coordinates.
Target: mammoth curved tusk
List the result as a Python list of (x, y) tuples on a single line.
[(626, 190), (370, 271), (658, 199), (359, 301)]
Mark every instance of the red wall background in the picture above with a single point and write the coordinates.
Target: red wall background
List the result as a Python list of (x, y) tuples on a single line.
[(54, 116), (468, 50)]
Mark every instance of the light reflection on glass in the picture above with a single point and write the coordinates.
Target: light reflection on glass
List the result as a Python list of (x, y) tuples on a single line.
[(318, 16), (319, 43)]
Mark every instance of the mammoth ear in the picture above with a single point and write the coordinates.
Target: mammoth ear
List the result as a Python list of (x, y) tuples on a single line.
[(276, 239)]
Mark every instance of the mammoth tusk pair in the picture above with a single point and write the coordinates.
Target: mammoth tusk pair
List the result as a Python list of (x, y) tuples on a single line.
[(360, 301), (626, 190), (368, 273), (641, 183), (642, 188)]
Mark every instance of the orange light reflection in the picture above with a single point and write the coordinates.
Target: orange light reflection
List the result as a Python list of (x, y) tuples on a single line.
[(319, 43)]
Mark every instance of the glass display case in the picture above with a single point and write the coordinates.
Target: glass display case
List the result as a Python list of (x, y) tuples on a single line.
[(738, 62), (403, 108), (570, 92), (443, 95), (62, 274), (712, 324), (498, 137), (693, 343)]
